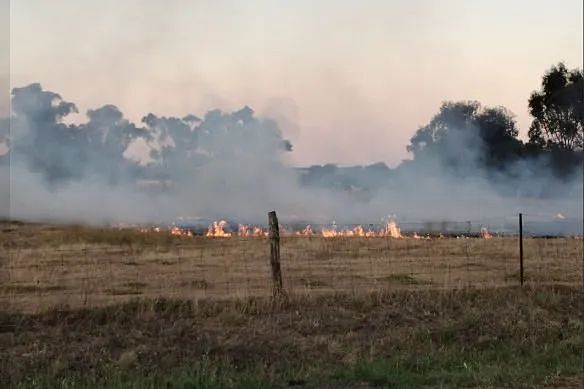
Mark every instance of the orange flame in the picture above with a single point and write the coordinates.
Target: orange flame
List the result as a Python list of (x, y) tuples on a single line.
[(246, 231), (330, 232), (180, 232), (485, 234), (173, 230), (149, 229), (390, 230), (217, 230), (307, 231)]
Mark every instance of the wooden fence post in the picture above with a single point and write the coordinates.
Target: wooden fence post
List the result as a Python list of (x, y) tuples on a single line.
[(275, 254), (521, 248)]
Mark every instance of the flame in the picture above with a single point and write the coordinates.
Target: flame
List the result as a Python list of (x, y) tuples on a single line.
[(390, 230), (246, 231), (173, 230), (370, 233), (358, 231), (259, 231), (329, 233), (332, 232), (217, 230), (307, 231), (149, 229), (180, 232)]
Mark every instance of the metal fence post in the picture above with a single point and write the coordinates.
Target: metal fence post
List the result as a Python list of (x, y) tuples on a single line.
[(521, 248)]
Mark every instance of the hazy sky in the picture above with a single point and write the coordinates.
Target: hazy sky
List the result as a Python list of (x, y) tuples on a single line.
[(349, 81)]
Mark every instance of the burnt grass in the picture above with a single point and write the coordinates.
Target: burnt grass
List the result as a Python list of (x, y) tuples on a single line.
[(468, 337)]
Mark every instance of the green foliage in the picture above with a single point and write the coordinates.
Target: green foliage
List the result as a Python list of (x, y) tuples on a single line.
[(503, 363)]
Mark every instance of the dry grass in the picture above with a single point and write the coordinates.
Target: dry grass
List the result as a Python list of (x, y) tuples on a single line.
[(80, 267), (472, 337), (85, 307)]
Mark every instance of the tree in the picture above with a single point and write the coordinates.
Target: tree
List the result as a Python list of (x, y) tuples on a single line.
[(498, 133), (61, 152), (463, 136), (41, 139), (558, 110)]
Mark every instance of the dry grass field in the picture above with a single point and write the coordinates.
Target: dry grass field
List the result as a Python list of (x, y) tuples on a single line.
[(93, 307), (80, 267)]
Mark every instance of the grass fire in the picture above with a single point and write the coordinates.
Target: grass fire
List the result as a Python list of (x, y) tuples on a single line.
[(291, 194), (87, 282)]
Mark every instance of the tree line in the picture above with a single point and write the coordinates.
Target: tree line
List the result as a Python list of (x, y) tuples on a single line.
[(465, 134), (462, 140), (465, 139)]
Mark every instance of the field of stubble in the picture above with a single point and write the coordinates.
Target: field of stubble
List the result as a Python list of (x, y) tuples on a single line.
[(82, 306)]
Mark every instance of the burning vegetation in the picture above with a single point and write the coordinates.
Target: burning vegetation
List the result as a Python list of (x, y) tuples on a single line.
[(485, 234), (220, 229), (245, 230), (223, 229), (217, 229), (389, 230), (180, 231)]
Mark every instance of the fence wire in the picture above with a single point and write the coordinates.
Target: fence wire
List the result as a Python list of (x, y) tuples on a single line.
[(86, 275)]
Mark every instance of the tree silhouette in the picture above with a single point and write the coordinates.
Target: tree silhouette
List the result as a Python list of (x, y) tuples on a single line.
[(463, 136), (558, 110)]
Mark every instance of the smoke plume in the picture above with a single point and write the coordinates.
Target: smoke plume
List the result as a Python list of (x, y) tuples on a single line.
[(232, 165)]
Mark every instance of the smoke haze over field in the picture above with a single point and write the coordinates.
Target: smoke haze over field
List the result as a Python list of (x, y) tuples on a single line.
[(325, 70), (145, 110), (233, 165)]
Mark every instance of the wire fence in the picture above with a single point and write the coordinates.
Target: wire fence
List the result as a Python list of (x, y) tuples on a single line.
[(86, 275)]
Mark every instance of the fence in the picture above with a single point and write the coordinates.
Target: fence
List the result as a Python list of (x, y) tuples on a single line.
[(199, 267)]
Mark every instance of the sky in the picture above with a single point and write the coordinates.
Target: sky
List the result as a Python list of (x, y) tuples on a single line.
[(348, 81)]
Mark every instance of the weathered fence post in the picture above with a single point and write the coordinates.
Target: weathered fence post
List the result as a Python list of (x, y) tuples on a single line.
[(521, 248), (275, 254)]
